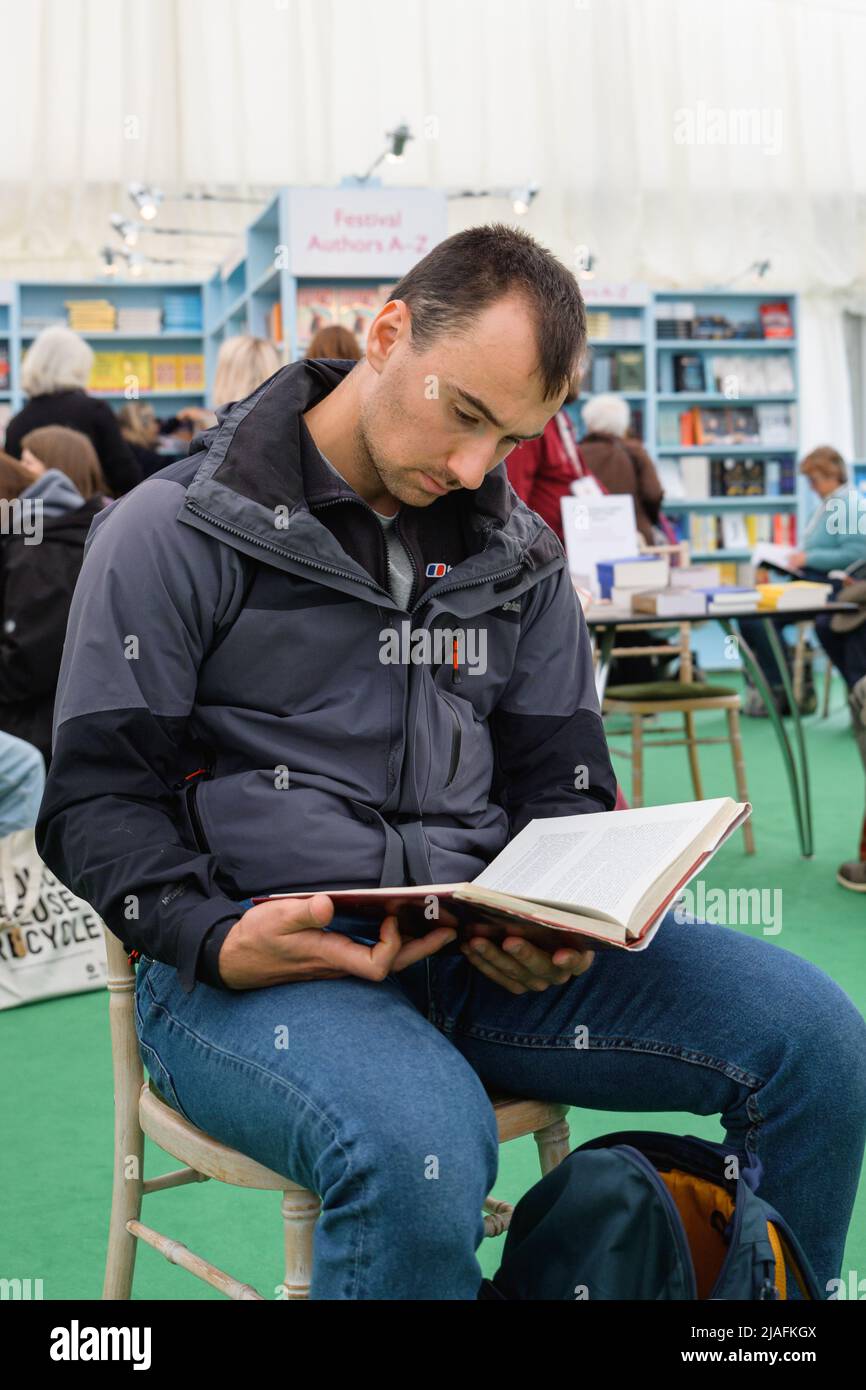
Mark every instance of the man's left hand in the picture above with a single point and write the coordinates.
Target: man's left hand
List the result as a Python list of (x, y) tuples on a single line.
[(519, 966)]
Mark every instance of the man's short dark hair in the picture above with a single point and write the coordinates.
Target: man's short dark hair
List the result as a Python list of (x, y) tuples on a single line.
[(469, 271)]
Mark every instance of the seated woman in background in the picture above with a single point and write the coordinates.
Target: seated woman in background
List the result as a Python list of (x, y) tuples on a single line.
[(38, 579), (335, 342), (619, 461), (834, 539), (140, 428), (54, 374)]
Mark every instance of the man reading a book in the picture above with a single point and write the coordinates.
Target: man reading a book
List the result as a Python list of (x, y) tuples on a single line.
[(231, 723)]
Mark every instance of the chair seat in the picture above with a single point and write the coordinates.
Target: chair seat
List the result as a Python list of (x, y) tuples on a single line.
[(668, 690), (515, 1117)]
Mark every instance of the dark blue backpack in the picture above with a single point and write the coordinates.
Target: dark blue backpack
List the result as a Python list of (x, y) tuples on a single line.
[(643, 1215)]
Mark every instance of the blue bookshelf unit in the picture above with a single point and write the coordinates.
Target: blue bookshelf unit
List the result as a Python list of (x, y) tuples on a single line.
[(175, 309), (724, 418), (257, 290), (619, 358)]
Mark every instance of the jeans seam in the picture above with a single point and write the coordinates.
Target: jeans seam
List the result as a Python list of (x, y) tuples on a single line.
[(646, 1046), (255, 1069)]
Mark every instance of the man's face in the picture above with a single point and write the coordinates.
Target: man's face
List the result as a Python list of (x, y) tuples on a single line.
[(440, 419)]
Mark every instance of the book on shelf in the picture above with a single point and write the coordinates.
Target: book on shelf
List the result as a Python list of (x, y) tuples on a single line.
[(91, 315), (181, 312), (275, 323), (317, 307), (139, 319), (601, 324), (136, 365), (357, 306), (164, 375), (591, 881), (776, 321), (768, 424), (4, 369), (751, 374), (735, 532), (118, 371)]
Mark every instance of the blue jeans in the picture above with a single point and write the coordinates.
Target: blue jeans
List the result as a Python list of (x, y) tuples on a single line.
[(373, 1095), (22, 782)]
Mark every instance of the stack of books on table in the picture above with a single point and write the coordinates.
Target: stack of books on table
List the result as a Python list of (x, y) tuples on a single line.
[(618, 578), (800, 593), (730, 599)]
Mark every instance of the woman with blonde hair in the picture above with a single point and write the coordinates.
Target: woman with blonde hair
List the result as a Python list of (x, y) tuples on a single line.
[(54, 374), (243, 363)]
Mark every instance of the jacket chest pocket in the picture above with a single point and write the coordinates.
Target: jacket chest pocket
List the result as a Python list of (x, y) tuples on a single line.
[(453, 753)]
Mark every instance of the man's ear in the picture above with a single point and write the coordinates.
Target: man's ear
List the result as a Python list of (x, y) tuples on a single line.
[(391, 325)]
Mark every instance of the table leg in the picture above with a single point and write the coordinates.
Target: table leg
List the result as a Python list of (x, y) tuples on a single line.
[(760, 681), (605, 637), (779, 656)]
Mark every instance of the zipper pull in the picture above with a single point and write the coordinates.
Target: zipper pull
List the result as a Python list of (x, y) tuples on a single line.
[(455, 664)]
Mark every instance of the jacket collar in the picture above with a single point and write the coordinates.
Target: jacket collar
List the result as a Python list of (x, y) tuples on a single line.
[(262, 482)]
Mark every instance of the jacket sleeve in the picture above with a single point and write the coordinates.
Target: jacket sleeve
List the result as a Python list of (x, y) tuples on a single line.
[(551, 754), (119, 463), (151, 594)]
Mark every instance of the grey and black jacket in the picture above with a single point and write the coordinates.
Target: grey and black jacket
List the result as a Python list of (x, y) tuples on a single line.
[(231, 719)]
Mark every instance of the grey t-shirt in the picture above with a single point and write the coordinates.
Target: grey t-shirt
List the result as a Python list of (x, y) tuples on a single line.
[(401, 571)]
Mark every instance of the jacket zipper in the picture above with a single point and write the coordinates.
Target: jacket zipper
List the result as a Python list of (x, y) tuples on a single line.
[(195, 819), (344, 574), (456, 740)]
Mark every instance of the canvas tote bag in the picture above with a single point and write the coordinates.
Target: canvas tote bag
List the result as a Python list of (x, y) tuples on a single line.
[(51, 942)]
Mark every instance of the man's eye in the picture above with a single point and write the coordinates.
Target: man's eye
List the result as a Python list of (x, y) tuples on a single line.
[(465, 419)]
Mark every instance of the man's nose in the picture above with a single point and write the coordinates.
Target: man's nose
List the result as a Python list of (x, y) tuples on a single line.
[(469, 466)]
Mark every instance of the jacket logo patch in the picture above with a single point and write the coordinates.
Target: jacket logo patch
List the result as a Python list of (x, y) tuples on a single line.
[(436, 569), (512, 606)]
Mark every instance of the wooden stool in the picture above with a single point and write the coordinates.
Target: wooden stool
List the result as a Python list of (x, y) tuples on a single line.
[(139, 1110), (686, 698)]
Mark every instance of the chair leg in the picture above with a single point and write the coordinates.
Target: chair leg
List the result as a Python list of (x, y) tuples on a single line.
[(740, 773), (693, 756), (300, 1213), (553, 1143), (637, 760), (125, 1197), (799, 662), (828, 685)]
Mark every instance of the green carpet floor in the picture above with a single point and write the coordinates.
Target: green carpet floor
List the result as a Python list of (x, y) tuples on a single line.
[(56, 1089)]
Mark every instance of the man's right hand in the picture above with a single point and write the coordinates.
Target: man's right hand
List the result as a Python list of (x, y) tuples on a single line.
[(283, 940)]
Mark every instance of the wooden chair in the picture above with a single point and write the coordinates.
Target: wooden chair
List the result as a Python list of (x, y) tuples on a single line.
[(683, 696), (139, 1110)]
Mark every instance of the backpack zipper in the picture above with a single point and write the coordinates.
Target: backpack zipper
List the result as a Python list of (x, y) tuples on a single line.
[(677, 1230)]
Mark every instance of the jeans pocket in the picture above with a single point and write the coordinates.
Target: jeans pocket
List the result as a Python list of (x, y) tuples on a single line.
[(148, 1014)]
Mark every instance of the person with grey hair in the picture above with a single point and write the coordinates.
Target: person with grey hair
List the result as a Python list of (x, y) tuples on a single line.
[(619, 461), (54, 374)]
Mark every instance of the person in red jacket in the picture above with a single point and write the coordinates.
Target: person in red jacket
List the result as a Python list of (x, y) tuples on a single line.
[(542, 470)]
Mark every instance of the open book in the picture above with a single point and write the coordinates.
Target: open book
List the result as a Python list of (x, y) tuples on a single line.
[(598, 880)]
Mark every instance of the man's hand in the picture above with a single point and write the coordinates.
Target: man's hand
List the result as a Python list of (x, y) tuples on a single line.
[(281, 941), (519, 966), (797, 559)]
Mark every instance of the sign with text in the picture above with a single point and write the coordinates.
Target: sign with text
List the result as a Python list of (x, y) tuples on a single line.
[(363, 231)]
